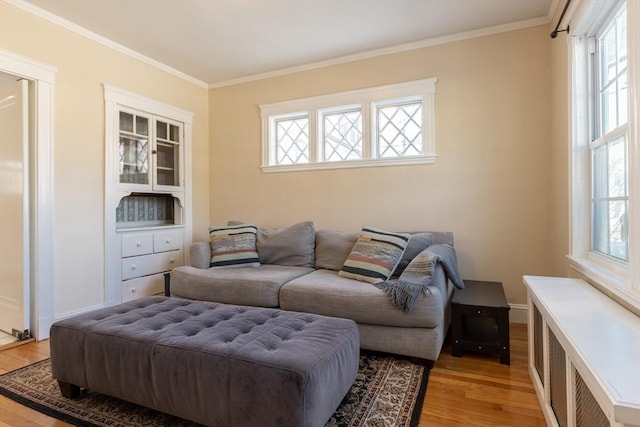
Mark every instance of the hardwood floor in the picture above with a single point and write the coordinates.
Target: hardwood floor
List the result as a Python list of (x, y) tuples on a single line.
[(476, 390), (473, 390)]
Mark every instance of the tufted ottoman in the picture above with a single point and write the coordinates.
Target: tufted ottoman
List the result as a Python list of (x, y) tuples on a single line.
[(215, 364)]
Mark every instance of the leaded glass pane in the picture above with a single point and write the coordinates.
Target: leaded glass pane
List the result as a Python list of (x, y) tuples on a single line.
[(399, 130), (292, 140), (133, 161), (343, 136)]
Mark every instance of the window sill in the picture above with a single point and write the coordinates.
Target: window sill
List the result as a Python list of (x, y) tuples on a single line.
[(614, 286), (418, 160)]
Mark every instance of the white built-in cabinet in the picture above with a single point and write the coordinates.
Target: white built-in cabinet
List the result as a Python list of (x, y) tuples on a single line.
[(147, 193)]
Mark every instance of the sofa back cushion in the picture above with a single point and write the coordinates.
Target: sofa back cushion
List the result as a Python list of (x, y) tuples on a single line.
[(417, 243), (333, 248), (293, 245)]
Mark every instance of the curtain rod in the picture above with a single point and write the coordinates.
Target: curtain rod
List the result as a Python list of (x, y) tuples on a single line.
[(555, 32)]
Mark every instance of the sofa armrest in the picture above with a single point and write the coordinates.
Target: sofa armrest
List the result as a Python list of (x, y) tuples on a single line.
[(200, 255)]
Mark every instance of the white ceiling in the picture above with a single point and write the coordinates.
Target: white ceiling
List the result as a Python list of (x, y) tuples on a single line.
[(216, 41)]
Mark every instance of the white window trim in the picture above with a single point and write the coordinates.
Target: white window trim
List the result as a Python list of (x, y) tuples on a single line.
[(619, 280), (368, 98)]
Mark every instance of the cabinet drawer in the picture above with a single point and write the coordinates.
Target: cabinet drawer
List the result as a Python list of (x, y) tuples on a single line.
[(137, 244), (169, 240), (142, 287), (145, 265)]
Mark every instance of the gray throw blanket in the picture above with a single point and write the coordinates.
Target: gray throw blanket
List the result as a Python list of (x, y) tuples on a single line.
[(416, 278)]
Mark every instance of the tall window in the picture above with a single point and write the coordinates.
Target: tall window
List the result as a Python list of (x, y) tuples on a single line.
[(609, 192), (369, 127), (605, 220)]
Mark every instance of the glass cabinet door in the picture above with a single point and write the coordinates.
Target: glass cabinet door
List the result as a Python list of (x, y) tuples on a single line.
[(167, 151), (133, 162)]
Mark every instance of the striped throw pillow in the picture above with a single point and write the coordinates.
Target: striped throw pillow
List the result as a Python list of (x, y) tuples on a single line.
[(374, 256), (234, 246)]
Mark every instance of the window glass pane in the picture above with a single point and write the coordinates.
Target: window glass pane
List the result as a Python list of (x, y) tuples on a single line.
[(622, 99), (343, 136), (618, 229), (621, 26), (126, 122), (609, 108), (617, 166), (609, 56), (142, 125), (292, 140), (161, 129), (600, 232), (600, 172), (399, 130), (174, 133)]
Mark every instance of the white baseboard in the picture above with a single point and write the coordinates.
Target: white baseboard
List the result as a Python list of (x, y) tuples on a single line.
[(518, 313), (44, 333)]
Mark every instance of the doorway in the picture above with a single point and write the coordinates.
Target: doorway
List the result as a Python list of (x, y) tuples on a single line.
[(14, 209), (41, 79)]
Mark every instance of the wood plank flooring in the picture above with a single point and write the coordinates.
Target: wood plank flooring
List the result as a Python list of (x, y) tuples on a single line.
[(476, 390), (473, 390)]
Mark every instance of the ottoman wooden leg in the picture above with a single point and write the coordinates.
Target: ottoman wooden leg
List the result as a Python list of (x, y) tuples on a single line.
[(69, 390)]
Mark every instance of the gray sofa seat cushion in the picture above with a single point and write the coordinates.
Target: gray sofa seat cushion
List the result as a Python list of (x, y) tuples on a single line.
[(256, 286), (324, 292)]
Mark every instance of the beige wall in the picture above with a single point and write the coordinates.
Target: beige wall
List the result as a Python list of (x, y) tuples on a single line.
[(560, 142), (78, 158), (491, 184)]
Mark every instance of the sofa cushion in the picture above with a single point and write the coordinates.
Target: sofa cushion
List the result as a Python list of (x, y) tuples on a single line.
[(293, 245), (375, 255), (333, 248), (325, 292), (417, 243), (256, 286), (234, 246)]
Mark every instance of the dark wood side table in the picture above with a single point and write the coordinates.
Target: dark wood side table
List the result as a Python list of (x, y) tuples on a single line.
[(480, 320)]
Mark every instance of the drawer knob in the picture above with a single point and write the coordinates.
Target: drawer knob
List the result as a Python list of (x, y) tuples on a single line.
[(479, 347), (168, 241), (133, 290), (138, 244), (133, 266), (478, 312), (171, 260)]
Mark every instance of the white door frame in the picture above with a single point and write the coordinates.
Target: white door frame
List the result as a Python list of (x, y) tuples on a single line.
[(42, 77)]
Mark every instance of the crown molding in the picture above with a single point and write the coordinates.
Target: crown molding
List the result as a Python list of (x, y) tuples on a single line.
[(28, 7), (68, 25), (514, 26)]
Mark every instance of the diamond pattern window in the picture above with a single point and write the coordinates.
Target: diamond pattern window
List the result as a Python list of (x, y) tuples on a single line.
[(342, 136), (377, 126), (292, 140), (399, 130)]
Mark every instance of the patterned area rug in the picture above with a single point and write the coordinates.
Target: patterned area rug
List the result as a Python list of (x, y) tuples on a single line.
[(388, 391)]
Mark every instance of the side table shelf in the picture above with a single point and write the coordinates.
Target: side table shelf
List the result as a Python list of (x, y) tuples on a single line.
[(480, 320)]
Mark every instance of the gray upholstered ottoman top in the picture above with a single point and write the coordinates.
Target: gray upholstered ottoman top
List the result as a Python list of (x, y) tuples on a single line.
[(213, 363)]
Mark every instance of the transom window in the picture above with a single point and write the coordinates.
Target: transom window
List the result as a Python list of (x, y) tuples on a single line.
[(370, 127)]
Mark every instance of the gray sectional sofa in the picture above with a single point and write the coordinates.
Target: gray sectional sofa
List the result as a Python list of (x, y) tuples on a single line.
[(299, 272)]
